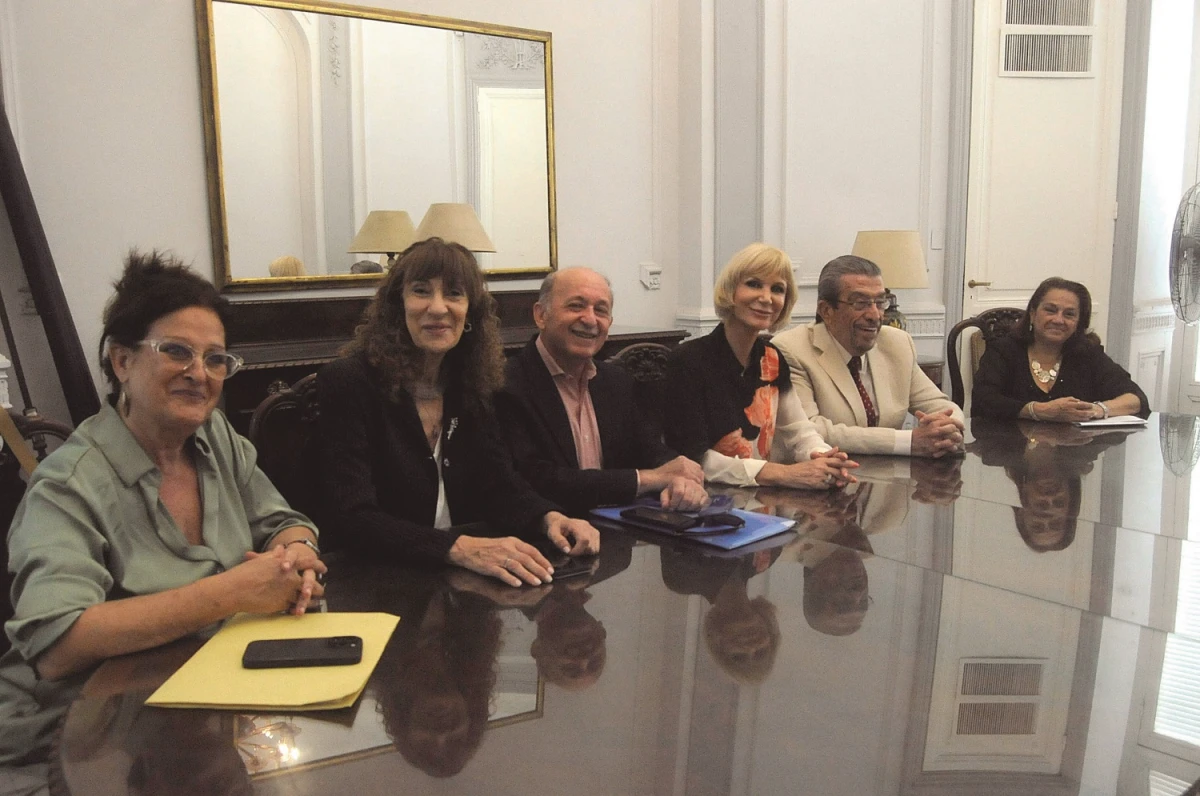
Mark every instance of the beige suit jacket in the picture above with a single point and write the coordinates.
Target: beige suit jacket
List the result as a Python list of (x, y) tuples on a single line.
[(831, 401)]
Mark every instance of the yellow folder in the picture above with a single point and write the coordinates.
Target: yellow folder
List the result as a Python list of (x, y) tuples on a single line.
[(214, 677)]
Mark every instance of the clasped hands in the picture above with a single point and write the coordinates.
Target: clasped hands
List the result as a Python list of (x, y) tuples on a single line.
[(287, 577), (937, 434), (1067, 410)]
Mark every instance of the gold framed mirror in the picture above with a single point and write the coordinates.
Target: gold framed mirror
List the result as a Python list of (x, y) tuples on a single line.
[(318, 113)]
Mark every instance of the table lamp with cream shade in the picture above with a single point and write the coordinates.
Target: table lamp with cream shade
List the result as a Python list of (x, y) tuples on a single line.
[(455, 222), (384, 232), (901, 257)]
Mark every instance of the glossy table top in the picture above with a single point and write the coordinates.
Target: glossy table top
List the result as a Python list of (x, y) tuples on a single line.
[(1023, 619)]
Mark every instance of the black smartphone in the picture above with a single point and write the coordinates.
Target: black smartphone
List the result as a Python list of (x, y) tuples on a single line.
[(283, 653), (659, 518), (572, 567)]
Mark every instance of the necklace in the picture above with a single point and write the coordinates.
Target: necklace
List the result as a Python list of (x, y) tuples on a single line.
[(430, 412), (1045, 376)]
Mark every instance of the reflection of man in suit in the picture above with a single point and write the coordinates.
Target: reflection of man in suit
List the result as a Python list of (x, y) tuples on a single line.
[(863, 411), (832, 546), (573, 426)]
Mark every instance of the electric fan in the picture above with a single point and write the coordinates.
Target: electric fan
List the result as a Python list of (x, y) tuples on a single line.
[(1179, 439), (1185, 257)]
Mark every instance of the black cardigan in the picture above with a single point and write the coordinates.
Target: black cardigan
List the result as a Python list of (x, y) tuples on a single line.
[(380, 482), (1004, 384), (707, 391), (539, 436)]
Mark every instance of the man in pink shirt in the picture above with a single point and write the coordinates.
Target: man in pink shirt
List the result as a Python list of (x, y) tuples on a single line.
[(573, 424)]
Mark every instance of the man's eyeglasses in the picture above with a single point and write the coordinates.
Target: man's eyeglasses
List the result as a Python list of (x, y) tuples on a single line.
[(864, 304), (218, 364)]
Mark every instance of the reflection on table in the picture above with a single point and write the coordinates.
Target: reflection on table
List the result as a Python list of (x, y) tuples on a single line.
[(1022, 619)]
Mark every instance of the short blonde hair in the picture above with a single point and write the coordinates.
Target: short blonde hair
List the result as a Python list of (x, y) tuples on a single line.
[(287, 265), (757, 259)]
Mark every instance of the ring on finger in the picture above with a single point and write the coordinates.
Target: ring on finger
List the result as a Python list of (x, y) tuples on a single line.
[(828, 479), (506, 562)]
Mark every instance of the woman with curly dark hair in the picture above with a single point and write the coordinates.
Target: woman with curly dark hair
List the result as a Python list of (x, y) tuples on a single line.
[(406, 438), (1052, 367)]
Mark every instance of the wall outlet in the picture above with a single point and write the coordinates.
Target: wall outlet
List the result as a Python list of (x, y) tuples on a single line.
[(651, 276)]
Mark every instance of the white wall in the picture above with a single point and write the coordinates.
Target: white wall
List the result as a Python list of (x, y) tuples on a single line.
[(410, 145), (266, 158), (855, 114)]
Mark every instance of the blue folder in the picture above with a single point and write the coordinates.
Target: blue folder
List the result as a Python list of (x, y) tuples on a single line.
[(758, 526)]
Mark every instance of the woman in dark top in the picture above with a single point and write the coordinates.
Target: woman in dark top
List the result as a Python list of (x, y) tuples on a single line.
[(405, 436), (729, 402), (1052, 367)]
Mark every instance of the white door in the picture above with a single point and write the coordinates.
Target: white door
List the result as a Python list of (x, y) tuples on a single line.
[(1045, 128)]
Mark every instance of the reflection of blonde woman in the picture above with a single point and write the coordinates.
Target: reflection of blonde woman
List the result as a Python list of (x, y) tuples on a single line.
[(287, 265)]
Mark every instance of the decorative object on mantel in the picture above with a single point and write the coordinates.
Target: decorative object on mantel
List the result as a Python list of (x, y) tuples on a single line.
[(899, 254), (384, 232), (456, 223), (1185, 257)]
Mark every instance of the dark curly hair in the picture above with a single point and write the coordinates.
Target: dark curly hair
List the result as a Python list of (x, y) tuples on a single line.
[(475, 366), (1083, 336), (153, 285)]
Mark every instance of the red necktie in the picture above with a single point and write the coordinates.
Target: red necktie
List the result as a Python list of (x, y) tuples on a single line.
[(855, 366)]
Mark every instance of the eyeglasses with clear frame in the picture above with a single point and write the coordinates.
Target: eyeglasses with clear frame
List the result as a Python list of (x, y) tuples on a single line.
[(218, 364), (864, 304)]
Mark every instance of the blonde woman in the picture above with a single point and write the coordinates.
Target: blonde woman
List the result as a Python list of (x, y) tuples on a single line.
[(729, 400), (287, 265)]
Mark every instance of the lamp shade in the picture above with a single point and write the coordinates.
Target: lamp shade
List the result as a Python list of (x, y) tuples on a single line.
[(897, 252), (384, 232), (454, 222)]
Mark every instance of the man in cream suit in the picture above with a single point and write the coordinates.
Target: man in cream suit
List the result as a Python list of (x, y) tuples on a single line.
[(863, 411)]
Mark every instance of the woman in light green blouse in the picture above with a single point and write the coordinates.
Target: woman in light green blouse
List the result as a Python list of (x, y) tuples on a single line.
[(152, 521)]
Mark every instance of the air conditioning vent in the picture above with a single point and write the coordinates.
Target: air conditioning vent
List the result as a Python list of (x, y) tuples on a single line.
[(1047, 38), (996, 718), (1048, 12), (1045, 53), (1001, 679), (999, 696)]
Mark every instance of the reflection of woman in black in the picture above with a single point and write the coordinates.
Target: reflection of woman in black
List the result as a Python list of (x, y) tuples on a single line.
[(742, 634), (1046, 463), (436, 689)]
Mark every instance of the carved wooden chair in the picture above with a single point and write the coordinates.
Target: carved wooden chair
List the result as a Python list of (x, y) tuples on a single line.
[(991, 324), (281, 429), (647, 364)]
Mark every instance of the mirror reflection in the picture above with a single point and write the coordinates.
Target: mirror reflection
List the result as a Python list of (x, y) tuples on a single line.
[(321, 118)]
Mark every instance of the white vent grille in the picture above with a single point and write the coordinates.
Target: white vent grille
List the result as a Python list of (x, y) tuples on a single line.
[(996, 718), (1047, 53), (1048, 12), (1047, 38), (1001, 679), (999, 696)]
